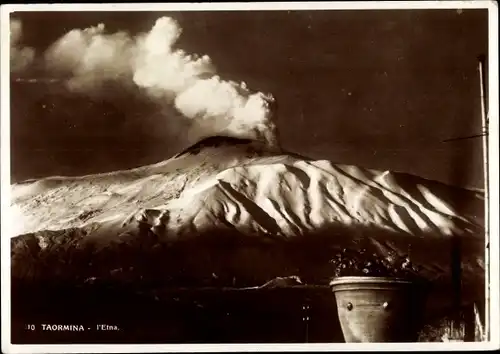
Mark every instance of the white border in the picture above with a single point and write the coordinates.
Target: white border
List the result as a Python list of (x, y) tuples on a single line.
[(493, 181), (278, 6), (494, 302)]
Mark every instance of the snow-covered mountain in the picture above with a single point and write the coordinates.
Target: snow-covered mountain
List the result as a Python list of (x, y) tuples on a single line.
[(240, 187)]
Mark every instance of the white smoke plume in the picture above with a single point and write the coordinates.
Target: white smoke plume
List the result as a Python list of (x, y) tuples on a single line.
[(21, 57), (91, 58)]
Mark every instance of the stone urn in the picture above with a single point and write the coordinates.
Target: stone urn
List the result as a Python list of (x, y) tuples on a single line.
[(379, 309)]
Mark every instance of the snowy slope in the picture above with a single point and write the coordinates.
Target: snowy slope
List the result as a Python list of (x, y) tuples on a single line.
[(239, 185), (251, 190), (56, 203), (289, 197)]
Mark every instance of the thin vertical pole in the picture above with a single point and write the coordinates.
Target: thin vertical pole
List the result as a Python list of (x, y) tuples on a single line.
[(484, 120)]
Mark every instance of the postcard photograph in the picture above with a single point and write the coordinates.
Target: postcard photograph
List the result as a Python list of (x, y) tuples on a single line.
[(263, 175)]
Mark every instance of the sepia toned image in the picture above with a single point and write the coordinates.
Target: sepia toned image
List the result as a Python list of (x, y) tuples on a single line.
[(247, 176)]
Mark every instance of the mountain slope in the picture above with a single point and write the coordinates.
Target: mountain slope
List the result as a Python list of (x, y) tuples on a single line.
[(60, 202), (239, 191), (221, 176)]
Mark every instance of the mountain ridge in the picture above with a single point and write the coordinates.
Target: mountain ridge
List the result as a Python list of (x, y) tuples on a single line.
[(241, 203), (191, 166)]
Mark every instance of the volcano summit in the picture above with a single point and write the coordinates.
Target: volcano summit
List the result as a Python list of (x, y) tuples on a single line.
[(239, 209)]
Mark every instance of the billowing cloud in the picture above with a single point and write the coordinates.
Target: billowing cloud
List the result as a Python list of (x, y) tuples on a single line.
[(90, 59), (21, 57)]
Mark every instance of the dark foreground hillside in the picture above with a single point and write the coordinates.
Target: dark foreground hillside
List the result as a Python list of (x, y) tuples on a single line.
[(116, 314), (177, 315), (191, 291)]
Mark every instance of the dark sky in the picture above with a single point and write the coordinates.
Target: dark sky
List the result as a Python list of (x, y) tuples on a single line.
[(380, 89)]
